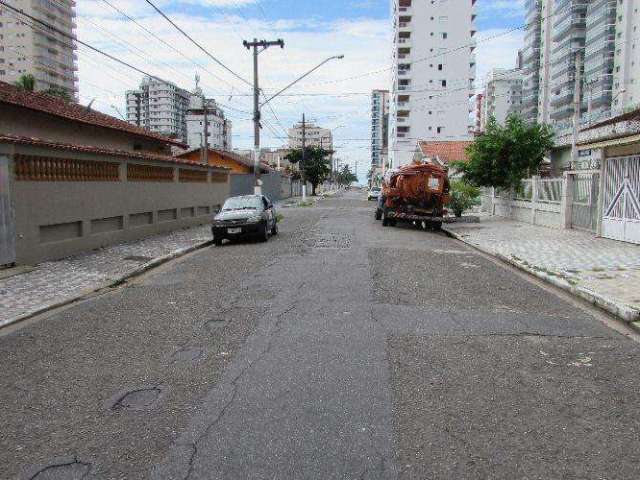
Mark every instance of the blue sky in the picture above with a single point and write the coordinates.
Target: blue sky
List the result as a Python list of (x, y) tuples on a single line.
[(336, 96)]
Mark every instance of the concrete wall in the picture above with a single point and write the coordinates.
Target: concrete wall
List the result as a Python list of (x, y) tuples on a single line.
[(55, 219)]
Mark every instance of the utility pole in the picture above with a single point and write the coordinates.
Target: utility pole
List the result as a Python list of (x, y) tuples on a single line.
[(304, 151), (577, 101), (205, 149), (258, 46)]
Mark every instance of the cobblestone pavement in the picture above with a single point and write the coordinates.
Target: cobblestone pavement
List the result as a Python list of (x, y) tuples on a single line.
[(608, 268), (54, 283)]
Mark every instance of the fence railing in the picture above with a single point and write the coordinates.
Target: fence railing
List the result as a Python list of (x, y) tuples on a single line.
[(537, 201)]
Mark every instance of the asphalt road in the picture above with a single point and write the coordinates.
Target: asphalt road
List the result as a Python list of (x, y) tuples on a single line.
[(338, 350)]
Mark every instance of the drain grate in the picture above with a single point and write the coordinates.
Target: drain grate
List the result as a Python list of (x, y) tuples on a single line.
[(138, 258), (137, 399)]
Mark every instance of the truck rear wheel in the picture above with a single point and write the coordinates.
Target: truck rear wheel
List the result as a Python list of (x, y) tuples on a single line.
[(385, 217)]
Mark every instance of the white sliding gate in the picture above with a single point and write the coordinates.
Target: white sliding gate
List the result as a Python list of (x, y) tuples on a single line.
[(621, 205), (7, 226)]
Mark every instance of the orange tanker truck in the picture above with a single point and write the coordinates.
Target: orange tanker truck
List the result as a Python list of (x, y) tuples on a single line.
[(416, 193)]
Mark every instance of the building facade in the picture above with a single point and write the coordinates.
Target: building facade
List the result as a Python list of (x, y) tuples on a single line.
[(531, 60), (47, 55), (159, 107), (502, 95), (379, 127), (217, 126), (314, 136), (626, 71), (432, 78)]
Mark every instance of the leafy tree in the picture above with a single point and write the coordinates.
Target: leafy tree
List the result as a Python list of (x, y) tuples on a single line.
[(60, 92), (345, 176), (503, 155), (315, 168), (463, 196), (26, 82)]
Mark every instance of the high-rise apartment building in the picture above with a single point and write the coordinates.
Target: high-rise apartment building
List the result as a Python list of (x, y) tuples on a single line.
[(218, 128), (599, 35), (626, 71), (531, 60), (379, 127), (569, 20), (502, 95), (599, 59), (432, 76), (47, 55), (160, 107), (314, 136)]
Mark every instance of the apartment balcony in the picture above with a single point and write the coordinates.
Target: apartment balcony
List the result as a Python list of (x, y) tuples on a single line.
[(405, 26), (405, 10), (402, 106), (562, 99), (404, 42), (563, 28)]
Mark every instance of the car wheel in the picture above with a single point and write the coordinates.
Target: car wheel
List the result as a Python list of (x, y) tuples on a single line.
[(274, 230), (264, 234), (217, 241)]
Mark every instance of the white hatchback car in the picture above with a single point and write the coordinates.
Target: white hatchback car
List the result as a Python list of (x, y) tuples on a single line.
[(374, 193)]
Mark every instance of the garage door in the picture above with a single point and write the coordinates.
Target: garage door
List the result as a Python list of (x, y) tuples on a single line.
[(621, 216)]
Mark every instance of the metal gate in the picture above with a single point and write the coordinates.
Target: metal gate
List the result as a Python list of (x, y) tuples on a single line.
[(621, 215), (7, 226), (584, 201)]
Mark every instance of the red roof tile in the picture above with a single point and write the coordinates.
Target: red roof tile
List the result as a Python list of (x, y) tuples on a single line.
[(97, 150), (44, 103), (448, 151)]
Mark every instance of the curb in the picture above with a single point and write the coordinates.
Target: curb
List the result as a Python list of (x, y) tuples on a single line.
[(156, 262), (628, 314)]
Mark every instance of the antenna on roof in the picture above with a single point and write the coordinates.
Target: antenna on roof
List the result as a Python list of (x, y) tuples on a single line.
[(90, 104)]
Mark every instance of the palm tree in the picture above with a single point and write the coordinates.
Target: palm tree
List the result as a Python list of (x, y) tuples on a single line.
[(26, 82)]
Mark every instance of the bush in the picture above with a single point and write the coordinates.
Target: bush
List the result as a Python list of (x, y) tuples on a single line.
[(463, 196)]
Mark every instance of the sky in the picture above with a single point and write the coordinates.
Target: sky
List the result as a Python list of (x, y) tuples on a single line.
[(337, 96)]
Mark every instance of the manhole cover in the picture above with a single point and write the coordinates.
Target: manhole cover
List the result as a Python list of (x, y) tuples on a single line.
[(137, 399), (215, 324), (65, 470), (138, 258), (188, 354)]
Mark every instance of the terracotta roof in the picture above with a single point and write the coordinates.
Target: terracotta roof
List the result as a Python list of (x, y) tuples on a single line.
[(631, 116), (246, 161), (445, 152), (44, 103), (98, 150)]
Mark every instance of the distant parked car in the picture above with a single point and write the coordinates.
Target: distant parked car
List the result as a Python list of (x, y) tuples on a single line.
[(374, 193), (245, 216)]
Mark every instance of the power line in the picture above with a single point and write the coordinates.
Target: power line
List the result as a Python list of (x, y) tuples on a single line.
[(164, 42), (197, 44)]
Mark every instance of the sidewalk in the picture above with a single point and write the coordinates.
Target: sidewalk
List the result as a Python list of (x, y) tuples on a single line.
[(55, 283), (604, 272)]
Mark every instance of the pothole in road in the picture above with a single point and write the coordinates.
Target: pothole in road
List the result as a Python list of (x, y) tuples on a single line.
[(334, 241), (188, 354), (141, 398), (62, 470)]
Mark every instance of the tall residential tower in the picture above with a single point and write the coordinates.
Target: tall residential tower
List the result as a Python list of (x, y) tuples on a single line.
[(432, 76), (49, 56), (379, 127)]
